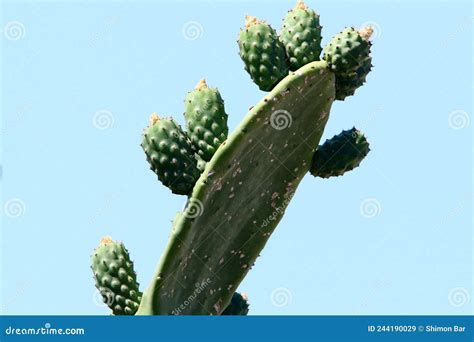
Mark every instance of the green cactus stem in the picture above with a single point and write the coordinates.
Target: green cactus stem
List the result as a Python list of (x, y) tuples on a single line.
[(262, 53), (238, 305), (115, 278), (170, 154), (301, 36), (206, 119), (340, 154), (242, 195)]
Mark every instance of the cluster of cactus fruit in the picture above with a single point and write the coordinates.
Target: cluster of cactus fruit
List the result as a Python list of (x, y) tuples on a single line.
[(235, 183)]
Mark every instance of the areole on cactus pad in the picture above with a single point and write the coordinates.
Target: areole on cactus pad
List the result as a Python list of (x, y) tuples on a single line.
[(238, 186)]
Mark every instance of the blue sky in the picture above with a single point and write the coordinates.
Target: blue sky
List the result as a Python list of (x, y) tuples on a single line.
[(80, 79)]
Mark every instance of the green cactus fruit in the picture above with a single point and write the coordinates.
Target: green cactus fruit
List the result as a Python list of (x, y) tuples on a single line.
[(241, 196), (340, 154), (301, 36), (348, 49), (263, 53), (115, 278), (170, 154), (206, 119), (346, 84), (238, 305)]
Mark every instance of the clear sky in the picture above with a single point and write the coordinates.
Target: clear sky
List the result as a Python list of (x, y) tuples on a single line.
[(80, 79)]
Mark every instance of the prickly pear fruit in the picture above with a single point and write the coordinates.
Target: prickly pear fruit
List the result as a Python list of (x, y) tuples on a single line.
[(115, 278), (340, 154), (301, 36), (238, 305), (263, 53), (206, 119), (348, 56), (346, 84), (170, 154), (348, 49)]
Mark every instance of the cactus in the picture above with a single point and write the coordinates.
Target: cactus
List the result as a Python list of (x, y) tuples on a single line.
[(115, 278), (346, 84), (301, 36), (169, 152), (238, 188), (348, 56), (238, 191), (206, 119), (340, 154), (347, 50), (263, 53)]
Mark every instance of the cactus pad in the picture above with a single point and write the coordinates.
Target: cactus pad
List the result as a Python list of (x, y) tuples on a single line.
[(115, 278), (170, 154), (206, 119), (263, 53), (242, 195), (340, 154), (301, 36)]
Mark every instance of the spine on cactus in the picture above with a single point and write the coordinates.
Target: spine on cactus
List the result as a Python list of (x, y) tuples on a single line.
[(170, 154), (206, 120), (301, 36), (115, 277), (262, 53)]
